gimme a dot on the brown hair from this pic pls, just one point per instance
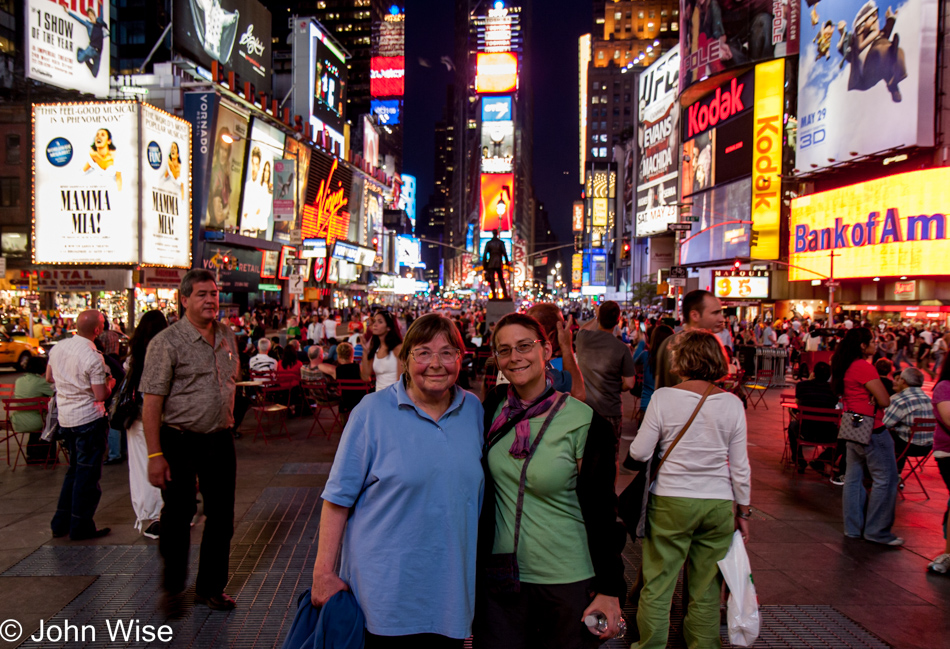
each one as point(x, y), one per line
point(698, 355)
point(548, 315)
point(609, 314)
point(525, 321)
point(426, 329)
point(344, 350)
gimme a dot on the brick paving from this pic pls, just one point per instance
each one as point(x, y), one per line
point(816, 588)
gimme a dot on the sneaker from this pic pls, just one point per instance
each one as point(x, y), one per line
point(153, 530)
point(895, 542)
point(837, 480)
point(940, 565)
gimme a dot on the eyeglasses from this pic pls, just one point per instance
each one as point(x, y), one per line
point(424, 356)
point(521, 348)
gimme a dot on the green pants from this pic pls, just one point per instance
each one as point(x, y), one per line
point(697, 532)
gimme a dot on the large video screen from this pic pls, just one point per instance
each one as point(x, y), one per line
point(723, 231)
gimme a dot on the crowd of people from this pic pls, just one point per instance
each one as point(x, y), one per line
point(498, 514)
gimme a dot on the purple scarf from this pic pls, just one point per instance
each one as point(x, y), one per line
point(515, 406)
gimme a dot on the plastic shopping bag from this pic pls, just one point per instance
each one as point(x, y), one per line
point(743, 605)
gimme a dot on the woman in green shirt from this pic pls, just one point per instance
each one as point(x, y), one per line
point(569, 539)
point(29, 386)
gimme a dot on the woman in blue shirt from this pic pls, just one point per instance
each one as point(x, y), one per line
point(646, 356)
point(402, 502)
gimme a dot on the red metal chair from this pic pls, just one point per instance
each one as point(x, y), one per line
point(269, 413)
point(915, 463)
point(789, 406)
point(32, 404)
point(351, 390)
point(321, 396)
point(823, 416)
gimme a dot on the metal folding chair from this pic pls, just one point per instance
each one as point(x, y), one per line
point(757, 389)
point(830, 417)
point(270, 414)
point(915, 463)
point(321, 396)
point(351, 388)
point(789, 405)
point(31, 404)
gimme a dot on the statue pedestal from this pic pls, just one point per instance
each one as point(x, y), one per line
point(496, 309)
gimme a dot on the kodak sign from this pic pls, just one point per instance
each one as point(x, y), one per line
point(728, 100)
point(767, 158)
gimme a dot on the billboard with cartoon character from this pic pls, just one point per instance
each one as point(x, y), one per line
point(866, 79)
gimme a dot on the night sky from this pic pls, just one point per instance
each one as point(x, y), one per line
point(553, 40)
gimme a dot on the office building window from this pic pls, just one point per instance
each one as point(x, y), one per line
point(13, 149)
point(9, 192)
point(600, 55)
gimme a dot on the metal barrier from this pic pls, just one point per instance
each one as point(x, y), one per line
point(772, 358)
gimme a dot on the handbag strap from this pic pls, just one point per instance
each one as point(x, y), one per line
point(524, 467)
point(689, 422)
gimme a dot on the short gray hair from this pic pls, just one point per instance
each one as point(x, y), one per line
point(913, 377)
point(192, 277)
point(263, 346)
point(315, 352)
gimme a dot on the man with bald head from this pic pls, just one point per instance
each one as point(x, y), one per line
point(83, 384)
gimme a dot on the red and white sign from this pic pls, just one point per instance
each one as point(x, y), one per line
point(387, 76)
point(496, 72)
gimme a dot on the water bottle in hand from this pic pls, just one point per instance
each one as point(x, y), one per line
point(597, 623)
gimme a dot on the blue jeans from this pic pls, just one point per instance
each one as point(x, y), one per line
point(115, 444)
point(80, 494)
point(878, 457)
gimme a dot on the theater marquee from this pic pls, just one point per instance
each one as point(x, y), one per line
point(888, 227)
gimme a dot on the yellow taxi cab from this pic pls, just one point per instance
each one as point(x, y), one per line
point(18, 351)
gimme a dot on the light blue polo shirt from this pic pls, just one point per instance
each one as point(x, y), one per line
point(416, 487)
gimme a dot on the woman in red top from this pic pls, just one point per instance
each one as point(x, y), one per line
point(862, 392)
point(288, 369)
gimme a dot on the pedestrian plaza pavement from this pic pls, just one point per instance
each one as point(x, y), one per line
point(816, 588)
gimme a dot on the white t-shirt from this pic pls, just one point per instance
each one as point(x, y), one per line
point(262, 363)
point(783, 340)
point(711, 460)
point(927, 337)
point(329, 325)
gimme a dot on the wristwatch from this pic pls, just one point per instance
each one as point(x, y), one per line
point(745, 516)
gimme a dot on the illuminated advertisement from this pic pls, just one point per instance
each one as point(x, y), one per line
point(234, 33)
point(505, 238)
point(717, 35)
point(733, 97)
point(723, 231)
point(68, 47)
point(599, 212)
point(578, 216)
point(285, 181)
point(370, 142)
point(767, 158)
point(577, 267)
point(888, 227)
point(743, 284)
point(326, 213)
point(86, 183)
point(496, 201)
point(496, 109)
point(391, 34)
point(498, 145)
point(353, 253)
point(386, 111)
point(266, 144)
point(866, 79)
point(236, 269)
point(407, 197)
point(409, 251)
point(300, 155)
point(387, 76)
point(496, 72)
point(313, 249)
point(598, 269)
point(499, 30)
point(227, 169)
point(112, 185)
point(658, 145)
point(285, 267)
point(166, 188)
point(320, 79)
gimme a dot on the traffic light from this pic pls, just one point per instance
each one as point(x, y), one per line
point(375, 242)
point(625, 250)
point(736, 265)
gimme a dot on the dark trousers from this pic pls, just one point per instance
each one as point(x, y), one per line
point(80, 494)
point(209, 459)
point(490, 276)
point(541, 616)
point(415, 641)
point(916, 450)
